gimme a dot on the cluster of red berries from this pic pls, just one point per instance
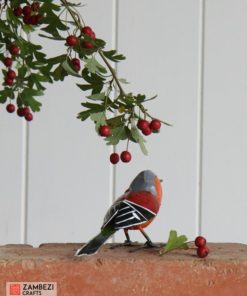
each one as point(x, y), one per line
point(148, 128)
point(8, 62)
point(202, 249)
point(73, 40)
point(29, 13)
point(125, 156)
point(10, 78)
point(21, 111)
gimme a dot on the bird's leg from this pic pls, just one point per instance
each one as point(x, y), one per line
point(148, 243)
point(127, 242)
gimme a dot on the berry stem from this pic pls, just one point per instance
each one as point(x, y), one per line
point(113, 72)
point(72, 13)
point(147, 114)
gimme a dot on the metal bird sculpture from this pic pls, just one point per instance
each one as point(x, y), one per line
point(134, 210)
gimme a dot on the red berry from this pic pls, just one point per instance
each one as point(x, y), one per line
point(76, 64)
point(71, 40)
point(27, 19)
point(11, 74)
point(86, 30)
point(155, 124)
point(18, 11)
point(92, 35)
point(35, 6)
point(200, 241)
point(14, 49)
point(114, 158)
point(25, 111)
point(142, 124)
point(9, 81)
point(89, 32)
point(38, 18)
point(202, 252)
point(147, 131)
point(26, 10)
point(33, 20)
point(125, 156)
point(105, 131)
point(87, 45)
point(20, 111)
point(8, 62)
point(29, 117)
point(10, 108)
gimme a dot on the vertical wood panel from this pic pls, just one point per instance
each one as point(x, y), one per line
point(160, 40)
point(69, 166)
point(70, 180)
point(10, 176)
point(225, 121)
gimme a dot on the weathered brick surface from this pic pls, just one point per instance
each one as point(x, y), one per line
point(122, 272)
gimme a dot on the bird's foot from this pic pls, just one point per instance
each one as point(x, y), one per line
point(127, 243)
point(149, 244)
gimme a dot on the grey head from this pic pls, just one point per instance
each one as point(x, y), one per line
point(144, 181)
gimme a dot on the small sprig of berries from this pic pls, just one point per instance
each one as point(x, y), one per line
point(146, 128)
point(180, 242)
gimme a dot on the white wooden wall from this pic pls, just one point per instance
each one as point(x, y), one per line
point(56, 182)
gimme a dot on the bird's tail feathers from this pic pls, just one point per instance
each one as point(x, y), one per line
point(94, 244)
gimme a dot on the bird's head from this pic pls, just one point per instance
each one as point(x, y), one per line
point(146, 181)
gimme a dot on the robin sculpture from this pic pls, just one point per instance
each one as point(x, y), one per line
point(134, 210)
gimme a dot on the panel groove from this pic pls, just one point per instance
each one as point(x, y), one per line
point(24, 184)
point(114, 45)
point(201, 70)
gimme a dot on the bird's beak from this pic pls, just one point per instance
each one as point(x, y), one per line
point(161, 180)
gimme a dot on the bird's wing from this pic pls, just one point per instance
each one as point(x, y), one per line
point(126, 214)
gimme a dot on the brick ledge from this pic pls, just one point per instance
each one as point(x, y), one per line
point(121, 272)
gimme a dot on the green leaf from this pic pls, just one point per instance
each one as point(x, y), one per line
point(4, 28)
point(53, 38)
point(29, 100)
point(140, 98)
point(115, 121)
point(123, 80)
point(84, 87)
point(84, 115)
point(113, 56)
point(5, 94)
point(99, 119)
point(28, 28)
point(118, 133)
point(57, 60)
point(138, 138)
point(94, 107)
point(99, 97)
point(94, 66)
point(59, 73)
point(175, 242)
